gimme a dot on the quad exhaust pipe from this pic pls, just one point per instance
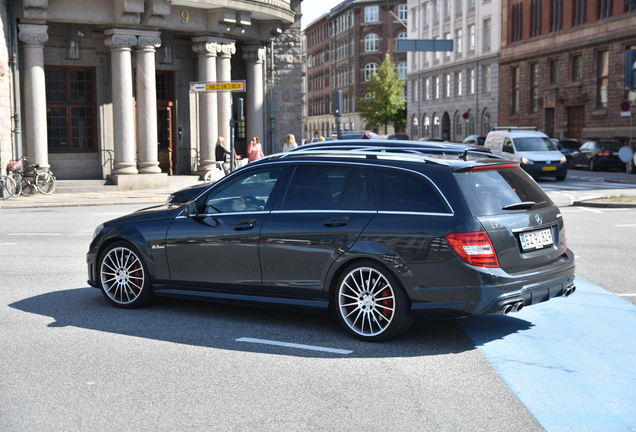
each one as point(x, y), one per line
point(569, 291)
point(512, 307)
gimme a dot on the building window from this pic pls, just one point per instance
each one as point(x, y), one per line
point(577, 67)
point(436, 88)
point(556, 15)
point(471, 4)
point(402, 35)
point(427, 126)
point(534, 88)
point(515, 72)
point(485, 77)
point(459, 5)
point(459, 42)
point(485, 35)
point(517, 22)
point(415, 88)
point(554, 71)
point(602, 78)
point(447, 85)
point(471, 38)
point(471, 81)
point(70, 109)
point(535, 18)
point(436, 122)
point(371, 14)
point(446, 9)
point(369, 70)
point(605, 8)
point(579, 11)
point(447, 36)
point(459, 84)
point(402, 12)
point(427, 89)
point(425, 14)
point(371, 42)
point(402, 70)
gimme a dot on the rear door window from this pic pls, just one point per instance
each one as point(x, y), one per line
point(316, 187)
point(358, 194)
point(403, 191)
point(488, 191)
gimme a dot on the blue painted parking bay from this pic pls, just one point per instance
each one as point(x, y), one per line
point(570, 361)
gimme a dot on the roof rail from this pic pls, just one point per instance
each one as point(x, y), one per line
point(512, 128)
point(406, 148)
point(375, 153)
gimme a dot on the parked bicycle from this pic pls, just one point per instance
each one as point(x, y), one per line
point(28, 175)
point(7, 187)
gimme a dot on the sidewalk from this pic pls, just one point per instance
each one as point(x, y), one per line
point(106, 197)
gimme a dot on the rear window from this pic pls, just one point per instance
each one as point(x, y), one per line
point(612, 145)
point(534, 144)
point(488, 191)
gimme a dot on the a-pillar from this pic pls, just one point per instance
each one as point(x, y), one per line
point(120, 43)
point(224, 74)
point(254, 56)
point(147, 43)
point(34, 36)
point(206, 49)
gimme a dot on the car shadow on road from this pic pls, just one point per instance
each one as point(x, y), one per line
point(219, 326)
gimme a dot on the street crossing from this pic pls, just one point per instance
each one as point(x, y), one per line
point(582, 183)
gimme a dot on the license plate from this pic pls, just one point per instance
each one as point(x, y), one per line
point(549, 168)
point(536, 239)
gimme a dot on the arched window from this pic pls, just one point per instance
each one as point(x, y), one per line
point(402, 35)
point(427, 126)
point(436, 123)
point(459, 126)
point(371, 42)
point(414, 126)
point(402, 70)
point(470, 126)
point(369, 69)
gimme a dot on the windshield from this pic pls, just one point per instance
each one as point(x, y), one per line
point(534, 144)
point(489, 191)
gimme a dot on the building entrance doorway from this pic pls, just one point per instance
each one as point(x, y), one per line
point(549, 122)
point(576, 122)
point(446, 127)
point(166, 121)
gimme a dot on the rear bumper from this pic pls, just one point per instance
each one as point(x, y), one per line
point(499, 290)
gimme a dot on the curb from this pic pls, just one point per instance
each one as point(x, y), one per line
point(601, 204)
point(77, 204)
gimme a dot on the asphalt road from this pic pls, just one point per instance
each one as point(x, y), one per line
point(69, 361)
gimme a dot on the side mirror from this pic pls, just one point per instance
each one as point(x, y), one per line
point(190, 209)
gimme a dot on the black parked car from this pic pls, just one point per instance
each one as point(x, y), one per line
point(596, 155)
point(475, 140)
point(377, 237)
point(567, 147)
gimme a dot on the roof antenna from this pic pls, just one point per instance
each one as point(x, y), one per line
point(464, 155)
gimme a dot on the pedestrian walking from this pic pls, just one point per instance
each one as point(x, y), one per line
point(255, 149)
point(222, 154)
point(290, 143)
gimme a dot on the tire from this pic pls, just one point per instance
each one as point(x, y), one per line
point(591, 165)
point(123, 276)
point(17, 177)
point(370, 302)
point(45, 183)
point(7, 187)
point(560, 178)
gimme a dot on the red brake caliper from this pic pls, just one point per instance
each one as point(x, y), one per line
point(386, 302)
point(136, 271)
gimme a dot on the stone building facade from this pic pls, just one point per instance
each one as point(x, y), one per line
point(359, 33)
point(454, 94)
point(105, 85)
point(6, 127)
point(562, 67)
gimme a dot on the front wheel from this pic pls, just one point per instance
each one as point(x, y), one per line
point(371, 304)
point(45, 183)
point(560, 178)
point(7, 187)
point(123, 277)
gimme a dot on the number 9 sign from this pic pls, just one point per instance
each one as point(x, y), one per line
point(185, 16)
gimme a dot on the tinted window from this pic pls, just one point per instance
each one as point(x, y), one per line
point(358, 194)
point(488, 191)
point(507, 146)
point(248, 192)
point(534, 144)
point(402, 191)
point(612, 145)
point(316, 187)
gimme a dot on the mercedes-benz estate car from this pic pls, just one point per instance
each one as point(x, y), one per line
point(378, 238)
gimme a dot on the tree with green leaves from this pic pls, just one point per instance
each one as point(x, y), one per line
point(386, 104)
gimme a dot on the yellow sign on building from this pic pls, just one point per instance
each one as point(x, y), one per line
point(204, 87)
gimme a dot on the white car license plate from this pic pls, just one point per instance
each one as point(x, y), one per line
point(536, 239)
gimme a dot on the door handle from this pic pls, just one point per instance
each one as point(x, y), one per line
point(245, 225)
point(336, 222)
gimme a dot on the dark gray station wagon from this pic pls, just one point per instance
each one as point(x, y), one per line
point(378, 237)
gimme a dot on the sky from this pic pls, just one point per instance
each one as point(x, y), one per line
point(312, 9)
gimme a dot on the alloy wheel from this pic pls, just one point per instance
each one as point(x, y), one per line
point(122, 275)
point(366, 301)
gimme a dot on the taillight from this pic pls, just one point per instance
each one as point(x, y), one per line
point(493, 167)
point(565, 239)
point(474, 247)
point(605, 153)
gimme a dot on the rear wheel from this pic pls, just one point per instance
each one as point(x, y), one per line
point(591, 165)
point(123, 277)
point(45, 183)
point(371, 304)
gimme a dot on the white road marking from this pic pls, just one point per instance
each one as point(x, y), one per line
point(627, 295)
point(294, 345)
point(8, 244)
point(625, 225)
point(35, 234)
point(591, 210)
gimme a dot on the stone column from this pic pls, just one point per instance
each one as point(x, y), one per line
point(224, 73)
point(34, 36)
point(147, 102)
point(254, 56)
point(206, 49)
point(120, 42)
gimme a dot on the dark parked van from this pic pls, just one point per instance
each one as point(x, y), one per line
point(376, 236)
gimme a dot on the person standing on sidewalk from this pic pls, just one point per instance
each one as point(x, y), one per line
point(255, 149)
point(222, 154)
point(290, 143)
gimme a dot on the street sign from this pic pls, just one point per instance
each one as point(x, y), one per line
point(408, 45)
point(211, 86)
point(626, 109)
point(626, 154)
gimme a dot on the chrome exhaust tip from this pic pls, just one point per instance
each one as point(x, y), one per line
point(507, 309)
point(518, 306)
point(569, 291)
